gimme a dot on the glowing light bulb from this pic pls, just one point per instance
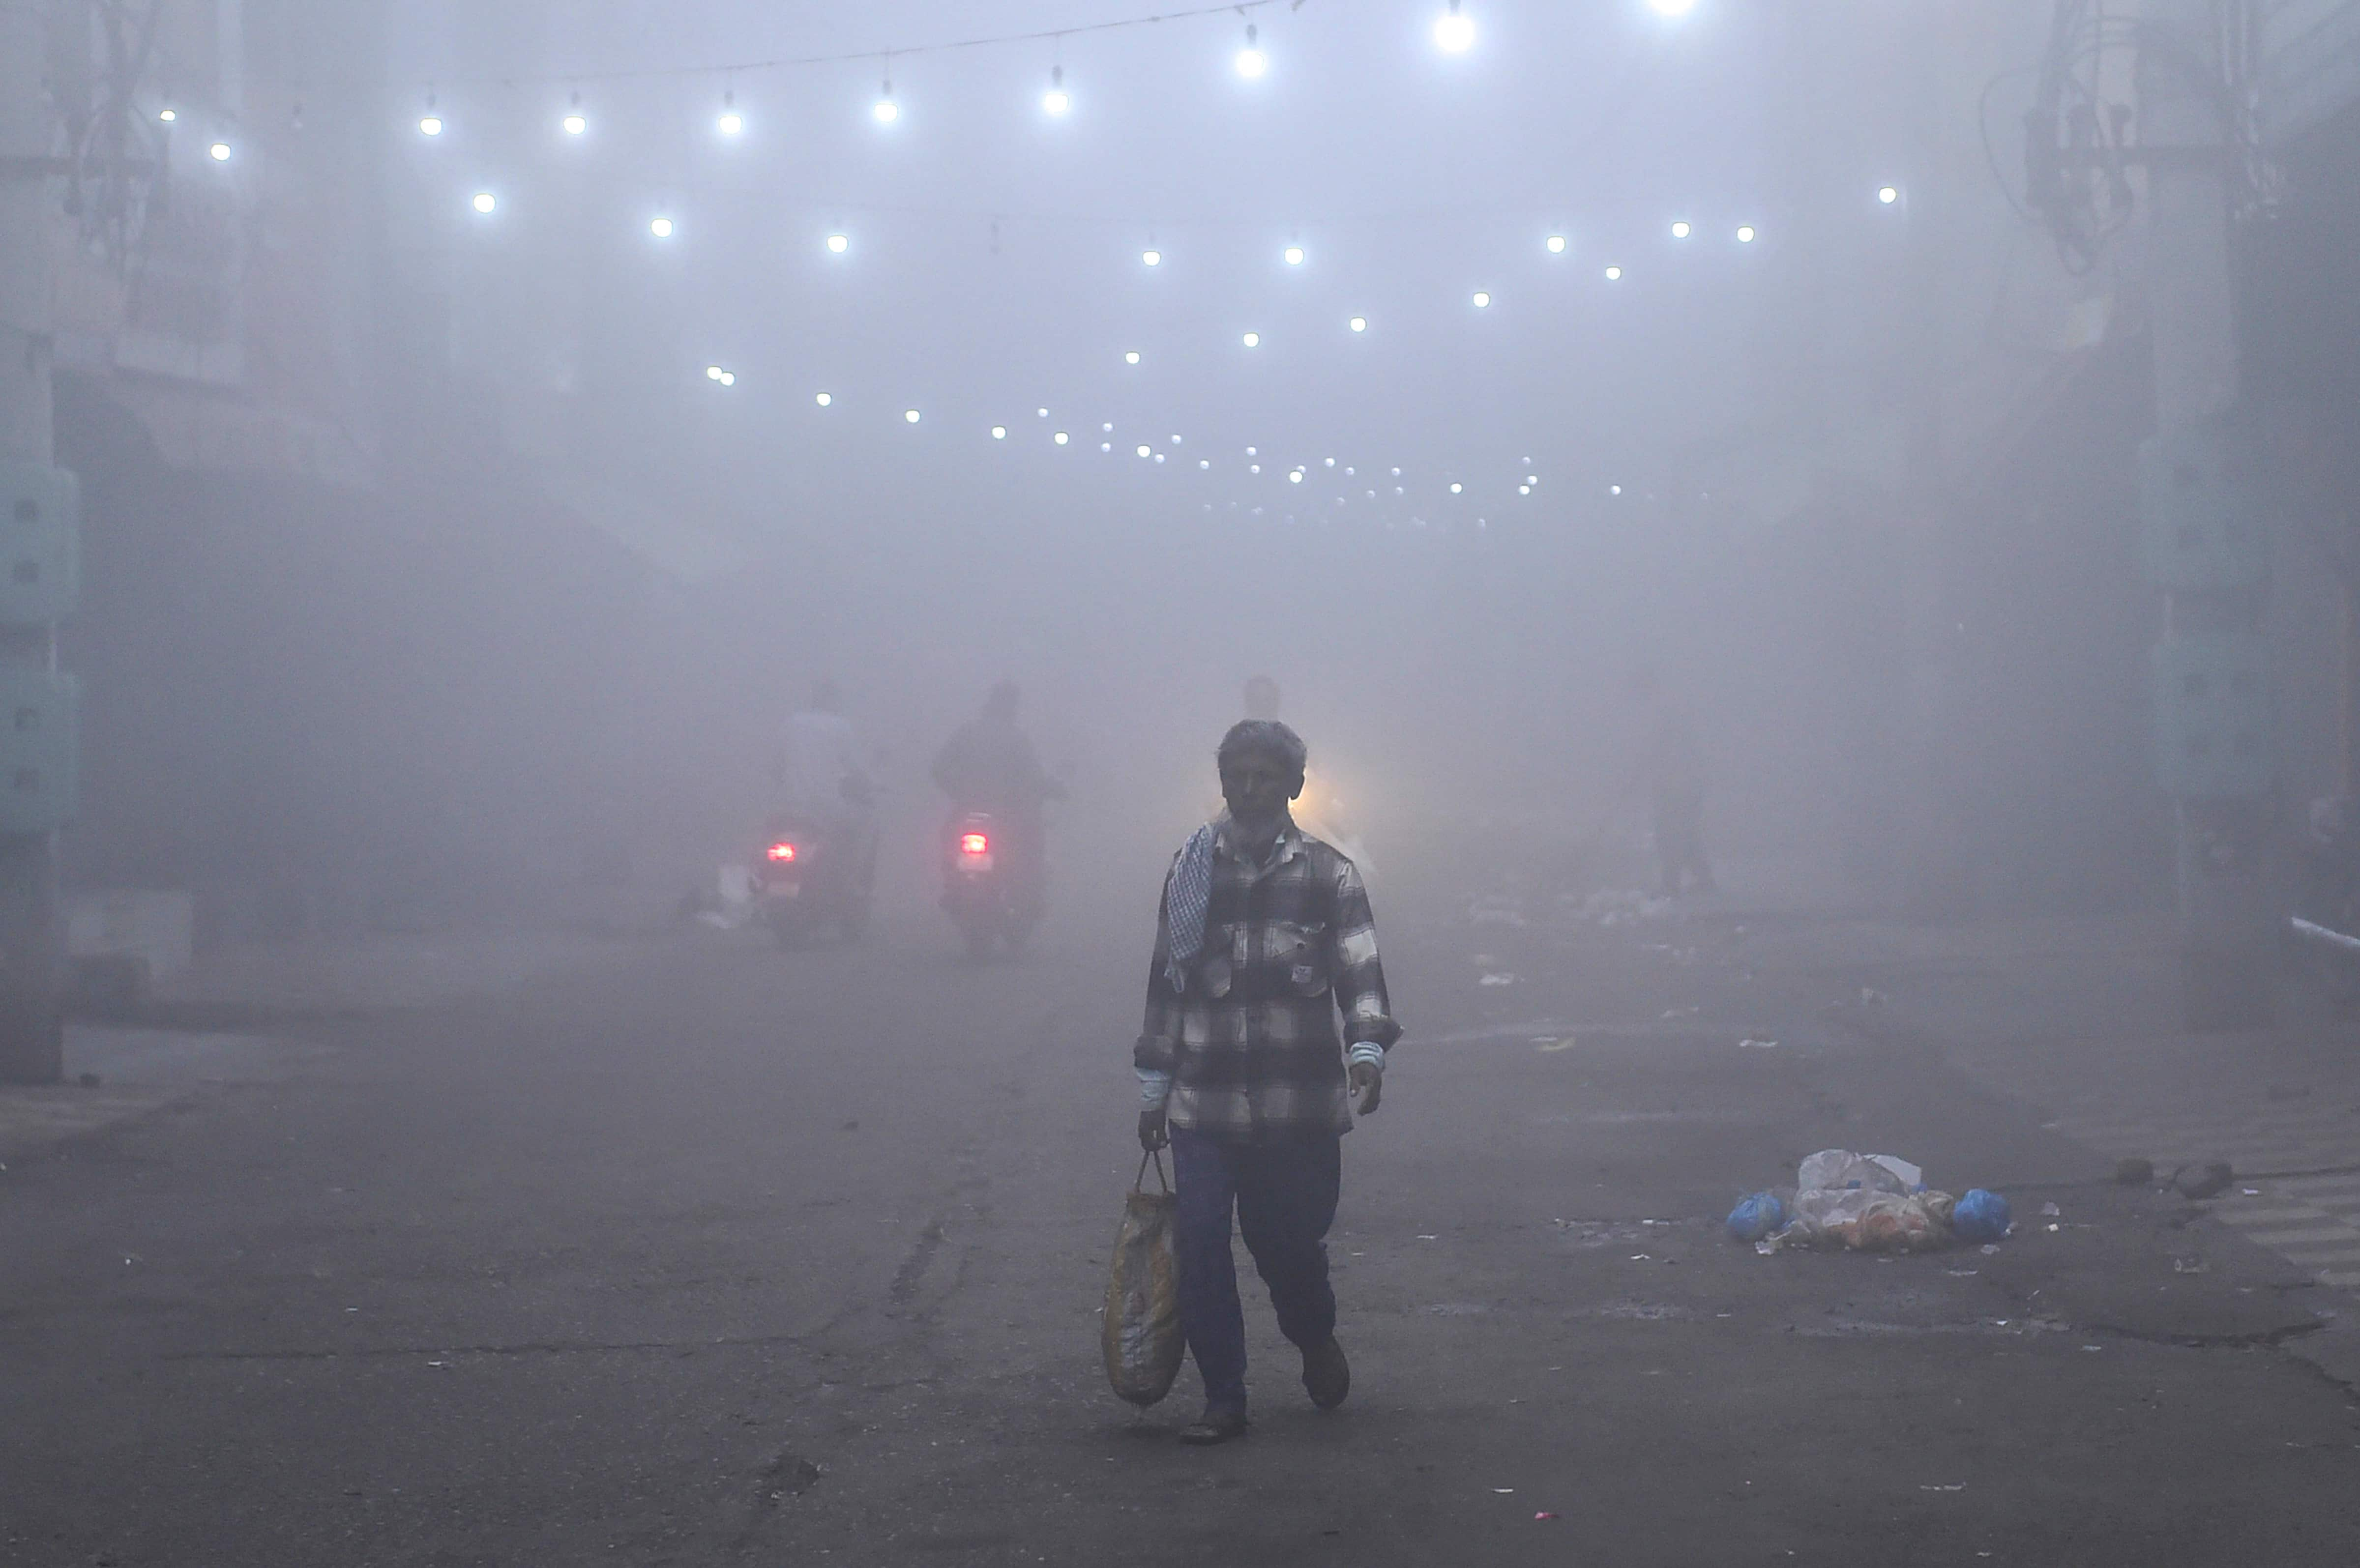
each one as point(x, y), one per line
point(1062, 438)
point(1613, 275)
point(999, 432)
point(1203, 462)
point(823, 399)
point(910, 416)
point(1294, 477)
point(1360, 323)
point(431, 125)
point(839, 244)
point(1159, 457)
point(220, 151)
point(661, 228)
point(1056, 101)
point(886, 111)
point(168, 115)
point(1151, 258)
point(1555, 245)
point(1615, 489)
point(1888, 194)
point(1131, 357)
point(574, 125)
point(1454, 34)
point(1105, 446)
point(1253, 468)
point(1251, 63)
point(713, 373)
point(1456, 487)
point(1482, 300)
point(1745, 234)
point(731, 122)
point(1680, 231)
point(1253, 340)
point(1043, 413)
point(1146, 451)
point(1523, 489)
point(1294, 256)
point(486, 202)
point(729, 378)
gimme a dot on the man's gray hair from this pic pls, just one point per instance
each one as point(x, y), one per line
point(1266, 735)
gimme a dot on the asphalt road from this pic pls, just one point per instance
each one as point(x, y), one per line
point(717, 1255)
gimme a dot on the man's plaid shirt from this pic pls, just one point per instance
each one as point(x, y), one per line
point(1250, 1039)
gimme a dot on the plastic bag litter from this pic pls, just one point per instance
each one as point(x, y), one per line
point(1140, 1334)
point(1838, 1169)
point(1981, 1216)
point(1869, 1220)
point(1757, 1216)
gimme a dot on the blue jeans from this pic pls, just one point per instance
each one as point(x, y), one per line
point(1284, 1198)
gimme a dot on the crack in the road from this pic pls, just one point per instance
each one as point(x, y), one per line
point(914, 1268)
point(2258, 1339)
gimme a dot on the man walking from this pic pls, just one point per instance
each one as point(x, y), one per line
point(1671, 768)
point(1264, 936)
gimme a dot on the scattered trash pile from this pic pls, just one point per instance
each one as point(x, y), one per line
point(1866, 1203)
point(1497, 910)
point(1622, 906)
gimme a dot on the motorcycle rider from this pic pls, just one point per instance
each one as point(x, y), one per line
point(989, 765)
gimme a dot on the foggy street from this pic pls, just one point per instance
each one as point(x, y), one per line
point(712, 1254)
point(1663, 694)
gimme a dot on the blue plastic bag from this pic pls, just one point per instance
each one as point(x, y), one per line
point(1979, 1216)
point(1757, 1216)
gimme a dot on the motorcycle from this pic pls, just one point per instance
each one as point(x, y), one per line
point(987, 889)
point(811, 876)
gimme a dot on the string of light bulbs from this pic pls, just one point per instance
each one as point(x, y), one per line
point(1291, 483)
point(1453, 31)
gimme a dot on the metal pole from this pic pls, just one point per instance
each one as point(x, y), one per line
point(2223, 820)
point(32, 956)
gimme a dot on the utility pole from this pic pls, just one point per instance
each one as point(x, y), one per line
point(39, 504)
point(2206, 546)
point(1934, 880)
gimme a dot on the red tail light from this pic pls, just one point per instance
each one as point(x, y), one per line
point(781, 854)
point(974, 844)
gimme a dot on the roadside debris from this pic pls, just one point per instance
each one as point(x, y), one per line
point(2205, 1181)
point(1981, 1216)
point(1866, 1203)
point(1497, 910)
point(1622, 906)
point(1757, 1216)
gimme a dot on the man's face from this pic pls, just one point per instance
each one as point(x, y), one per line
point(1258, 784)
